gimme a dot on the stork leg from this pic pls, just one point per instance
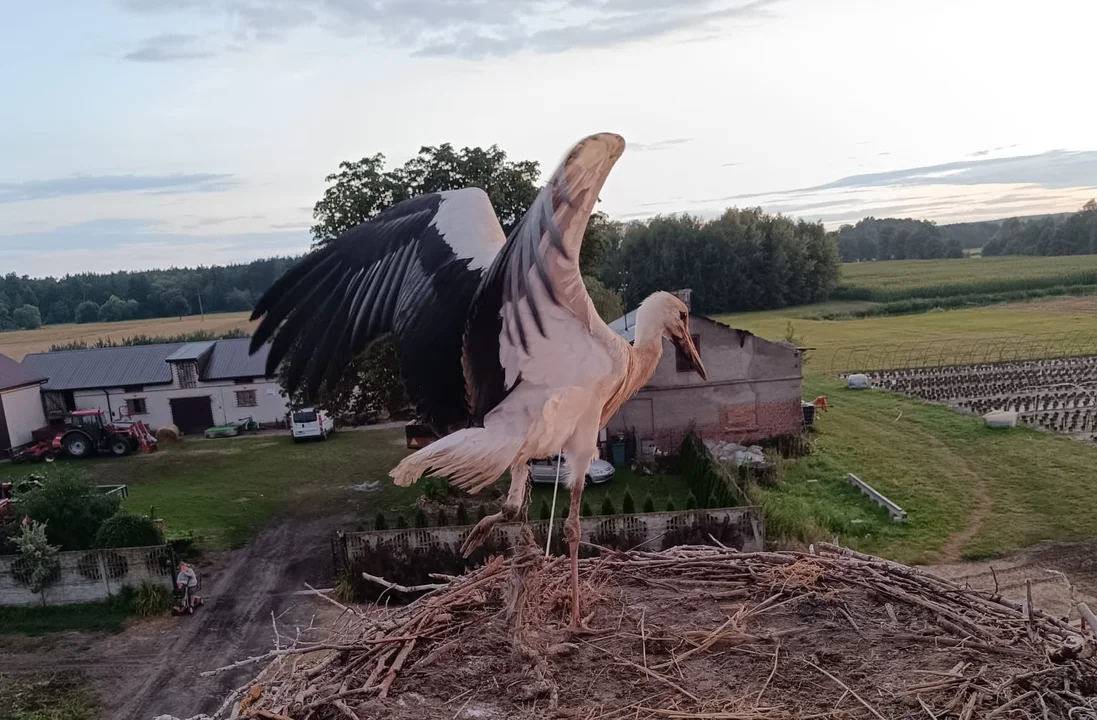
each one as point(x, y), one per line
point(581, 450)
point(516, 498)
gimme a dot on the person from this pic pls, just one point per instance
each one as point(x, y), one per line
point(187, 580)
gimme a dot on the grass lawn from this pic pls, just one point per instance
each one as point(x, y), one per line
point(833, 340)
point(223, 490)
point(60, 697)
point(103, 616)
point(969, 491)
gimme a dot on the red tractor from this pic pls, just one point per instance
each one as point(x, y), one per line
point(89, 432)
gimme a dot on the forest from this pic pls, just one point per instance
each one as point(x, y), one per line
point(896, 239)
point(1073, 234)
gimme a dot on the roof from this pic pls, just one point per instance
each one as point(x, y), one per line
point(625, 326)
point(230, 360)
point(104, 367)
point(191, 351)
point(144, 364)
point(14, 374)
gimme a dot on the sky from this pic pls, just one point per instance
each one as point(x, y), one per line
point(151, 133)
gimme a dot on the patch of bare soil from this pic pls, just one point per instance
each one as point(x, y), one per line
point(689, 632)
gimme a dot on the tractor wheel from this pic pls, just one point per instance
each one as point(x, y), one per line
point(118, 446)
point(77, 445)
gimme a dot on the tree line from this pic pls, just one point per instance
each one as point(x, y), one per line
point(896, 239)
point(28, 303)
point(1073, 234)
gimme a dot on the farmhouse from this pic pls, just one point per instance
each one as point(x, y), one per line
point(191, 385)
point(753, 391)
point(20, 404)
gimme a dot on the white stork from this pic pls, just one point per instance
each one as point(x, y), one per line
point(499, 344)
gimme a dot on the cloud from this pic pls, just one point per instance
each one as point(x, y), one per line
point(658, 145)
point(168, 47)
point(95, 184)
point(470, 29)
point(731, 164)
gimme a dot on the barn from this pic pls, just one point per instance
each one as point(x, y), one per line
point(191, 385)
point(753, 391)
point(20, 404)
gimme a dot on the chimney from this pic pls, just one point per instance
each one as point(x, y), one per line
point(685, 296)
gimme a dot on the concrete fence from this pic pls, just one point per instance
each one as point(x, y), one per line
point(87, 575)
point(645, 531)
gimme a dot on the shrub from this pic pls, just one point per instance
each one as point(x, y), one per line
point(435, 488)
point(691, 501)
point(380, 523)
point(585, 511)
point(481, 513)
point(628, 505)
point(401, 523)
point(151, 599)
point(671, 507)
point(71, 507)
point(545, 512)
point(421, 518)
point(38, 562)
point(442, 519)
point(713, 501)
point(462, 514)
point(607, 507)
point(649, 504)
point(125, 530)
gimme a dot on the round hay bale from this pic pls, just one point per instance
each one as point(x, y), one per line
point(169, 434)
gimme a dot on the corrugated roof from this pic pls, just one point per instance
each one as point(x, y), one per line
point(104, 367)
point(191, 351)
point(230, 360)
point(13, 374)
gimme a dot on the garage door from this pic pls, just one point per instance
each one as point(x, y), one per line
point(192, 415)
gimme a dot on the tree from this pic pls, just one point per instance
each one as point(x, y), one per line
point(179, 305)
point(606, 302)
point(462, 515)
point(133, 310)
point(628, 505)
point(421, 520)
point(26, 317)
point(237, 300)
point(37, 558)
point(71, 506)
point(362, 189)
point(125, 530)
point(585, 510)
point(545, 511)
point(649, 503)
point(59, 312)
point(691, 501)
point(87, 311)
point(671, 506)
point(443, 519)
point(113, 310)
point(380, 523)
point(607, 507)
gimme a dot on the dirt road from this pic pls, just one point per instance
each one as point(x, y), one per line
point(154, 667)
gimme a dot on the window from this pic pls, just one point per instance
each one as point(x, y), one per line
point(188, 374)
point(246, 398)
point(682, 363)
point(304, 416)
point(136, 406)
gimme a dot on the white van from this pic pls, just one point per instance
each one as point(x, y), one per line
point(311, 423)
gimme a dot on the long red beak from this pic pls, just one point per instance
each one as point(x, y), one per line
point(685, 343)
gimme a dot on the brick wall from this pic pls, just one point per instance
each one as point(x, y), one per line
point(745, 423)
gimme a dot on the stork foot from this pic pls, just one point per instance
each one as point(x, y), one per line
point(480, 533)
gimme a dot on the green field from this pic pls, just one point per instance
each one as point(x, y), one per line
point(894, 280)
point(1069, 324)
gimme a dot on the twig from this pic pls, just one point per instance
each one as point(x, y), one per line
point(1088, 616)
point(772, 672)
point(848, 689)
point(650, 673)
point(430, 587)
point(1015, 701)
point(334, 602)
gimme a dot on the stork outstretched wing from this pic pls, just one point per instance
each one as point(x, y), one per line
point(412, 271)
point(470, 310)
point(532, 318)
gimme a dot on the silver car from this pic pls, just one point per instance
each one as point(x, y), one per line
point(544, 471)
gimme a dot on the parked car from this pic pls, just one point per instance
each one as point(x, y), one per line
point(544, 471)
point(311, 423)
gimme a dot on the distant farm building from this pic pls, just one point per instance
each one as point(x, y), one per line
point(191, 385)
point(20, 404)
point(753, 391)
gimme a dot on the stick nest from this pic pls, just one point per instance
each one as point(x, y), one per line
point(691, 632)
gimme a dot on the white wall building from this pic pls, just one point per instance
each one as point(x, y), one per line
point(20, 404)
point(191, 385)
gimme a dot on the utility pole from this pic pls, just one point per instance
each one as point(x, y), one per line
point(200, 311)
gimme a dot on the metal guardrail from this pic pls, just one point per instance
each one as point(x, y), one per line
point(897, 513)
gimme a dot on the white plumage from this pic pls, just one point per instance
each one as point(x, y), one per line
point(501, 348)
